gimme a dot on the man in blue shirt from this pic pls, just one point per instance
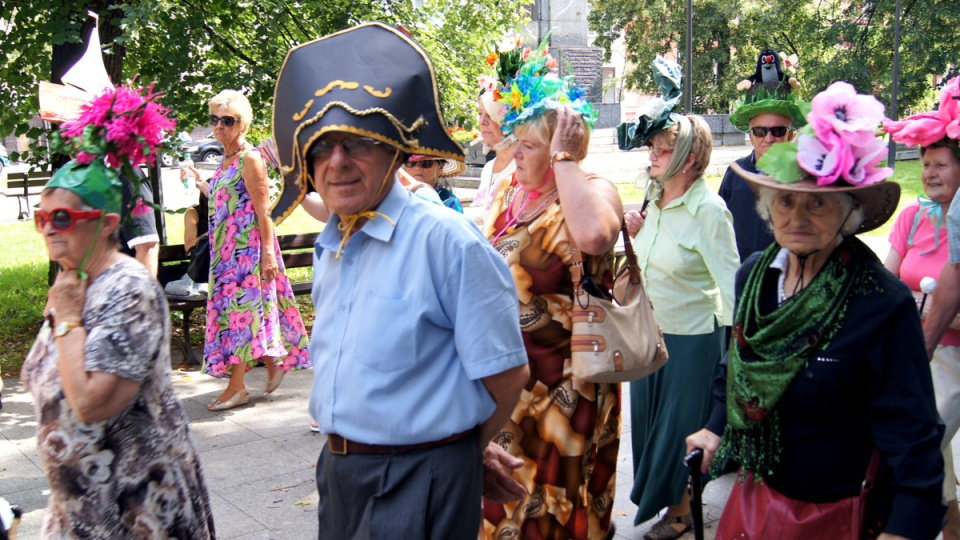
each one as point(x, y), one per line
point(417, 351)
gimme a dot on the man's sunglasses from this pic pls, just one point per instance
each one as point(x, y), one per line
point(355, 147)
point(63, 219)
point(777, 131)
point(227, 121)
point(423, 164)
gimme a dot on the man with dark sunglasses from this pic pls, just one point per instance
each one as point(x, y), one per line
point(767, 119)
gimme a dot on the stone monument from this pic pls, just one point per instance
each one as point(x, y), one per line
point(566, 22)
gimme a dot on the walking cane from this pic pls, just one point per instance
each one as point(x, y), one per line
point(693, 462)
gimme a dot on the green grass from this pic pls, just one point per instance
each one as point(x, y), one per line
point(23, 284)
point(23, 268)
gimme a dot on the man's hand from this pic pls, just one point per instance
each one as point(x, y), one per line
point(498, 482)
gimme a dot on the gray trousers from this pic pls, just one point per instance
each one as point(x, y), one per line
point(423, 494)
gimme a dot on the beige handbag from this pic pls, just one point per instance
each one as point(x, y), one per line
point(615, 341)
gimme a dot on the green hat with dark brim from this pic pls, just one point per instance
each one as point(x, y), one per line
point(763, 102)
point(659, 113)
point(95, 183)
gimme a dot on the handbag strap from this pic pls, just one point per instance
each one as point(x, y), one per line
point(630, 256)
point(872, 469)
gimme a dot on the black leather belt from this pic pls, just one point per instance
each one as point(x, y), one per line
point(340, 447)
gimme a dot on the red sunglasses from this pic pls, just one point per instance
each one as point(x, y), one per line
point(63, 219)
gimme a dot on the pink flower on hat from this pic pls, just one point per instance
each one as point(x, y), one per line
point(927, 128)
point(842, 110)
point(826, 158)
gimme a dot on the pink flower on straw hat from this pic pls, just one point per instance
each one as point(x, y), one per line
point(825, 158)
point(842, 110)
point(838, 142)
point(927, 128)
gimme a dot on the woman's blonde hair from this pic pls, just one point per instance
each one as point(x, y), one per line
point(542, 128)
point(702, 146)
point(236, 102)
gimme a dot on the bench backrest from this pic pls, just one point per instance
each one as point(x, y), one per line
point(288, 243)
point(33, 179)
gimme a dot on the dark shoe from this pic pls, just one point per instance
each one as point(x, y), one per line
point(664, 529)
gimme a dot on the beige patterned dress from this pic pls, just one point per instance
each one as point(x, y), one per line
point(138, 474)
point(566, 431)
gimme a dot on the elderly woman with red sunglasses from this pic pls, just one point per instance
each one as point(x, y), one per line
point(112, 436)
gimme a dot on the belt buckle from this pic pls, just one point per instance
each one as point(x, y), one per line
point(342, 451)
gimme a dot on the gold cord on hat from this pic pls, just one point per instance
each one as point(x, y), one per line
point(348, 223)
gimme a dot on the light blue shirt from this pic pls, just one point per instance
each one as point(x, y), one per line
point(953, 229)
point(409, 321)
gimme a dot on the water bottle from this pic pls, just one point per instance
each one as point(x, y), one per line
point(187, 162)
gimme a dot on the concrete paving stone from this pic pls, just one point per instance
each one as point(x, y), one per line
point(18, 473)
point(284, 503)
point(248, 462)
point(231, 522)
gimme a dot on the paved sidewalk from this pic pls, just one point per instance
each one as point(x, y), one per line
point(259, 460)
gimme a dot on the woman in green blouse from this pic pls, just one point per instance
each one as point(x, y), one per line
point(685, 242)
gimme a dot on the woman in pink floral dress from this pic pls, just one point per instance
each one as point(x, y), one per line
point(251, 311)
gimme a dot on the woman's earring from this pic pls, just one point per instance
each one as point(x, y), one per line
point(684, 170)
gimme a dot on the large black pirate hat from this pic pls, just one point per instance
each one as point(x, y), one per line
point(369, 80)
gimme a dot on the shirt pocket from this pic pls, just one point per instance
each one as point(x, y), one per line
point(827, 383)
point(389, 341)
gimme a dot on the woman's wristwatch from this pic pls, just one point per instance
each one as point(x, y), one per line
point(562, 155)
point(63, 328)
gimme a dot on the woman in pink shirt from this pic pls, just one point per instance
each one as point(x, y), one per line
point(919, 249)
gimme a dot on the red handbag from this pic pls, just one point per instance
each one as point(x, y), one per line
point(755, 511)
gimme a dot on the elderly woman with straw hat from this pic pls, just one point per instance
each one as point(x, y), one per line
point(826, 401)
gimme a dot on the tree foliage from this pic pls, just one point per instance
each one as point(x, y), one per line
point(834, 40)
point(195, 48)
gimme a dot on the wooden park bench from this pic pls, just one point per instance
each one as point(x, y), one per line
point(291, 248)
point(22, 185)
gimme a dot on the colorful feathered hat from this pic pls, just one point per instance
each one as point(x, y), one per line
point(656, 113)
point(538, 88)
point(505, 59)
point(837, 151)
point(370, 80)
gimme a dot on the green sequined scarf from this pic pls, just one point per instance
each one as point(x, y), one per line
point(767, 351)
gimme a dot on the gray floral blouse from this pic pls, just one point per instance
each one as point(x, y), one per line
point(138, 474)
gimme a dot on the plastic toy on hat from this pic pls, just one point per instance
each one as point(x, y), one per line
point(769, 90)
point(371, 80)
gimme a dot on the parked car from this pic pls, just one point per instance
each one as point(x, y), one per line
point(206, 149)
point(173, 160)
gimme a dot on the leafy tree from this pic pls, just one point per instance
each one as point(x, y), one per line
point(834, 39)
point(195, 48)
